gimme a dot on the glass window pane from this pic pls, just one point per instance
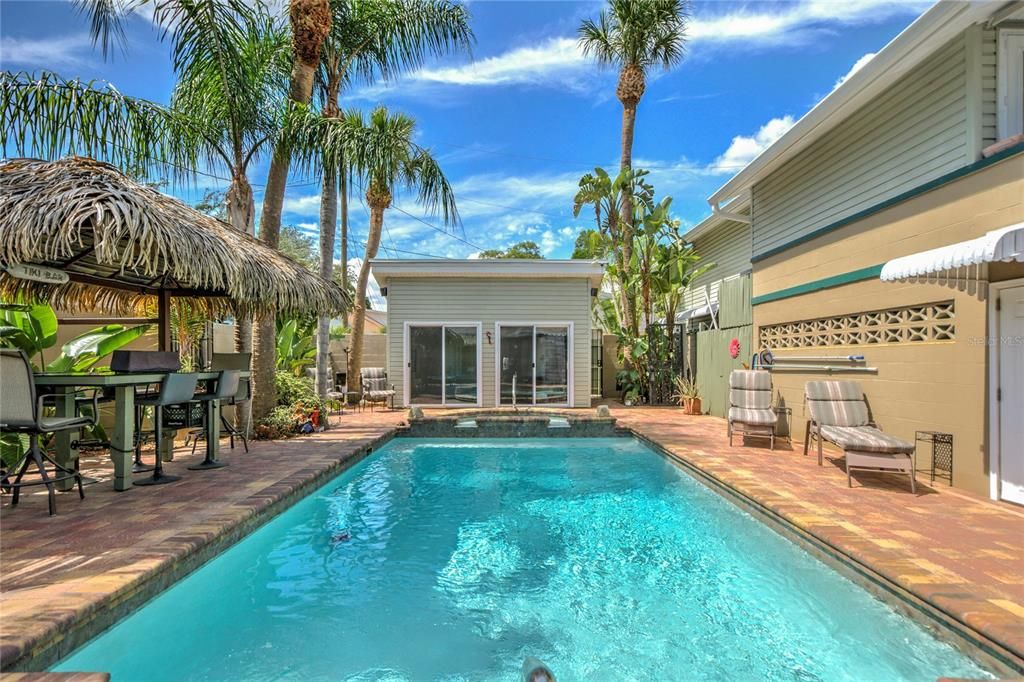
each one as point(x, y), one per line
point(425, 376)
point(460, 365)
point(517, 362)
point(552, 365)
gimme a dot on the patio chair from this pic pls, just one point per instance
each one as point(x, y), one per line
point(374, 382)
point(221, 362)
point(176, 389)
point(228, 382)
point(840, 415)
point(21, 411)
point(750, 405)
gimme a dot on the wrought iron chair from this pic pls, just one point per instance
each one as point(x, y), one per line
point(175, 389)
point(227, 388)
point(21, 411)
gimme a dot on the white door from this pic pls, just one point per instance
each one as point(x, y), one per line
point(1011, 388)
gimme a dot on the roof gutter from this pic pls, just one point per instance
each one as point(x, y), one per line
point(934, 28)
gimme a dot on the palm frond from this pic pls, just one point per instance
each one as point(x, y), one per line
point(48, 117)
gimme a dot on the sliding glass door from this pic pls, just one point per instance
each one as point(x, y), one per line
point(442, 364)
point(534, 364)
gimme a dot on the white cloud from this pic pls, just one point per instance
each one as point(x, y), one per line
point(558, 62)
point(857, 66)
point(305, 205)
point(51, 52)
point(744, 149)
point(795, 22)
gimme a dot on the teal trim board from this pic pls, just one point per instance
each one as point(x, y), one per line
point(889, 203)
point(872, 272)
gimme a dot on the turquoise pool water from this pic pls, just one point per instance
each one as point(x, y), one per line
point(455, 560)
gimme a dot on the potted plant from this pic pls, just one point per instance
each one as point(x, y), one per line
point(688, 395)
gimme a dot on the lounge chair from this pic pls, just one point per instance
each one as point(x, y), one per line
point(839, 414)
point(374, 383)
point(750, 405)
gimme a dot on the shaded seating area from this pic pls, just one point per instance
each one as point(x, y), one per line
point(82, 237)
point(840, 415)
point(750, 405)
point(374, 382)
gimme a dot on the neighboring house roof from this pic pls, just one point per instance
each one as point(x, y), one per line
point(923, 37)
point(490, 268)
point(377, 317)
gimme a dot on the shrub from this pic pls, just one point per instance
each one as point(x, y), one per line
point(296, 401)
point(278, 424)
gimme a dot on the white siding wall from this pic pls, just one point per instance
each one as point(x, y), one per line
point(989, 134)
point(913, 132)
point(488, 301)
point(728, 247)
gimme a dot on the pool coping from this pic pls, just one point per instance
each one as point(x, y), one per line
point(62, 639)
point(946, 626)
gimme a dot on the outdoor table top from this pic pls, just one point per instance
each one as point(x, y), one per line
point(111, 378)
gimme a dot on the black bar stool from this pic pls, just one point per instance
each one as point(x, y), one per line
point(227, 387)
point(175, 390)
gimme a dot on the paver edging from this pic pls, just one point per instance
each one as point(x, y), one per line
point(74, 628)
point(972, 641)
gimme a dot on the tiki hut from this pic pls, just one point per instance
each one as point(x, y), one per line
point(126, 248)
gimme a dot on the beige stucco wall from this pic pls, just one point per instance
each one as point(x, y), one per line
point(488, 301)
point(939, 385)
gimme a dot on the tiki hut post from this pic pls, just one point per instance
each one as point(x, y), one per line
point(164, 320)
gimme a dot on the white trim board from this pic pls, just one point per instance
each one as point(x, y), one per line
point(992, 360)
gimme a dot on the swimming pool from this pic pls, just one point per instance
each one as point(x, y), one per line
point(457, 559)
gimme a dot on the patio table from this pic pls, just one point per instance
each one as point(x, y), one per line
point(122, 441)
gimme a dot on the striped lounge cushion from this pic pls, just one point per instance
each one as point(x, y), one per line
point(752, 416)
point(865, 439)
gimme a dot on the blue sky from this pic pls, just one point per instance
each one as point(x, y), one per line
point(515, 126)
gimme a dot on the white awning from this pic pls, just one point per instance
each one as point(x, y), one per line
point(699, 311)
point(1003, 245)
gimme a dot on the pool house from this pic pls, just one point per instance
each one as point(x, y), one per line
point(487, 333)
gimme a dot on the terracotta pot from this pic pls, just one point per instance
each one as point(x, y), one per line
point(691, 406)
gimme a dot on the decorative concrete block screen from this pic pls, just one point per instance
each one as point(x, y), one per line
point(910, 324)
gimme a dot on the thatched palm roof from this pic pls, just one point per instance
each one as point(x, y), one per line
point(121, 242)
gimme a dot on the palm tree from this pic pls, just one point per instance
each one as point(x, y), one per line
point(231, 59)
point(607, 195)
point(383, 154)
point(310, 23)
point(370, 39)
point(635, 36)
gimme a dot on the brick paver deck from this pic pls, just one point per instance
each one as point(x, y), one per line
point(954, 551)
point(64, 578)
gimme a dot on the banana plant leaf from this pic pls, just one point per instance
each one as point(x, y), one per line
point(84, 351)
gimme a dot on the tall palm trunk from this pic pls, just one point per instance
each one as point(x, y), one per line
point(378, 202)
point(310, 22)
point(343, 191)
point(328, 222)
point(241, 210)
point(629, 91)
point(328, 227)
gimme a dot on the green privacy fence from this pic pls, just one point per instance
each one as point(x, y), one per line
point(714, 360)
point(714, 363)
